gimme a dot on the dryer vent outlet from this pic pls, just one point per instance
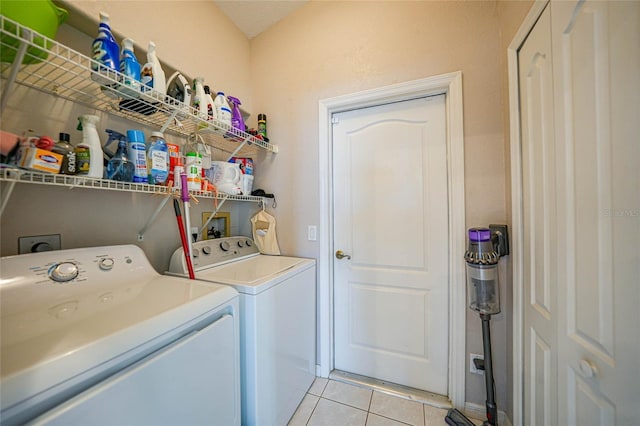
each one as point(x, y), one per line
point(38, 243)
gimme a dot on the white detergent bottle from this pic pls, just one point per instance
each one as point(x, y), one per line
point(199, 98)
point(223, 110)
point(89, 152)
point(211, 109)
point(152, 75)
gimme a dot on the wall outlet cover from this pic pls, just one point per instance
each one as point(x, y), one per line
point(38, 243)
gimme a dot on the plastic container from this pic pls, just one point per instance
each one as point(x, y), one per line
point(137, 154)
point(44, 17)
point(130, 69)
point(157, 159)
point(211, 109)
point(105, 54)
point(68, 152)
point(193, 166)
point(223, 111)
point(237, 122)
point(152, 75)
point(199, 99)
point(119, 167)
point(262, 125)
point(178, 88)
point(89, 152)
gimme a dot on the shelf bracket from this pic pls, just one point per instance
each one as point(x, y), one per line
point(244, 142)
point(217, 209)
point(152, 218)
point(172, 117)
point(5, 196)
point(17, 62)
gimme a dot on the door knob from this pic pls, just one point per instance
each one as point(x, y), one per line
point(587, 368)
point(340, 255)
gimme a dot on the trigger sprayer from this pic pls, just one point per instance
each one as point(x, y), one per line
point(237, 121)
point(113, 137)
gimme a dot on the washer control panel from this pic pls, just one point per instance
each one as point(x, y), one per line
point(209, 253)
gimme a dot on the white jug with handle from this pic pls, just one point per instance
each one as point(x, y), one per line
point(226, 177)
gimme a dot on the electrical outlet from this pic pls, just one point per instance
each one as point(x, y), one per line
point(472, 366)
point(312, 233)
point(38, 243)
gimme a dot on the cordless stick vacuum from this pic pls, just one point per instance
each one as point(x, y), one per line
point(484, 297)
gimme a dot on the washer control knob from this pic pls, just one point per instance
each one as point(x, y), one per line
point(240, 243)
point(195, 252)
point(206, 250)
point(106, 263)
point(225, 246)
point(63, 272)
point(248, 243)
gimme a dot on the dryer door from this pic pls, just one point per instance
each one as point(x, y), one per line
point(195, 380)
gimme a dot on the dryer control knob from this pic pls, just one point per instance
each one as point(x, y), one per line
point(206, 250)
point(63, 272)
point(106, 263)
point(248, 243)
point(240, 243)
point(225, 246)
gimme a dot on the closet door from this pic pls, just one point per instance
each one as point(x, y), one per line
point(540, 283)
point(596, 48)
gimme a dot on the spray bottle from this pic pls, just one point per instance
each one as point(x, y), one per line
point(105, 54)
point(153, 76)
point(89, 151)
point(119, 167)
point(130, 68)
point(237, 122)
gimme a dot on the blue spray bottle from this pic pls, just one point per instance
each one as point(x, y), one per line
point(105, 54)
point(130, 68)
point(119, 167)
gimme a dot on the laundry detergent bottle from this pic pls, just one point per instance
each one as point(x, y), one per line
point(223, 110)
point(105, 54)
point(89, 157)
point(211, 109)
point(199, 98)
point(130, 68)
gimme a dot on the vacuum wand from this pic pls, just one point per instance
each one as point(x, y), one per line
point(492, 408)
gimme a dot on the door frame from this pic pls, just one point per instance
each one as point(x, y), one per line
point(451, 85)
point(517, 225)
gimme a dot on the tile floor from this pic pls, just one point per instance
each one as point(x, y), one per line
point(333, 403)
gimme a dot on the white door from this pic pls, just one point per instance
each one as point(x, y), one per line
point(391, 218)
point(539, 222)
point(580, 118)
point(596, 53)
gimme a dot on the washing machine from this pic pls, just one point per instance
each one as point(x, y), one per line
point(96, 336)
point(277, 322)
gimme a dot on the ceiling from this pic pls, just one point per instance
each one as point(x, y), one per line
point(256, 16)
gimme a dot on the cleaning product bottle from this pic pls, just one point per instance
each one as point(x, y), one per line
point(199, 100)
point(157, 159)
point(89, 151)
point(105, 54)
point(193, 164)
point(211, 109)
point(130, 68)
point(64, 148)
point(262, 125)
point(237, 122)
point(119, 167)
point(153, 76)
point(178, 89)
point(222, 109)
point(137, 154)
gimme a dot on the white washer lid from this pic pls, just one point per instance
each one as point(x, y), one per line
point(255, 274)
point(44, 344)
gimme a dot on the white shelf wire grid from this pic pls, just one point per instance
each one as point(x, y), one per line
point(69, 181)
point(68, 74)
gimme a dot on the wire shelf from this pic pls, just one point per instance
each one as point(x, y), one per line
point(26, 176)
point(55, 69)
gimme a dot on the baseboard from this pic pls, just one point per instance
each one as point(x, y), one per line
point(480, 412)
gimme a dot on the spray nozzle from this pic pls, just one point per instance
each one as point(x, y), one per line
point(113, 136)
point(234, 101)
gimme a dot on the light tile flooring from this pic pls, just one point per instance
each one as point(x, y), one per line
point(332, 403)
